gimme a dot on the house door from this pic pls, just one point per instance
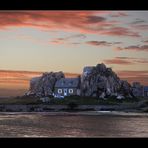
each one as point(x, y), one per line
point(65, 92)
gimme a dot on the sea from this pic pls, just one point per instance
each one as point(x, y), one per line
point(72, 125)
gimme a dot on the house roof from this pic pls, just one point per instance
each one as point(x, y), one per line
point(67, 82)
point(88, 68)
point(145, 88)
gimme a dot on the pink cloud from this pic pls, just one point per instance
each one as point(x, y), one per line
point(118, 61)
point(145, 41)
point(141, 61)
point(102, 43)
point(134, 48)
point(120, 31)
point(119, 14)
point(57, 41)
point(93, 22)
point(99, 43)
point(126, 61)
point(141, 26)
point(67, 39)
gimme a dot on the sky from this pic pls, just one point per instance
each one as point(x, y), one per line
point(44, 41)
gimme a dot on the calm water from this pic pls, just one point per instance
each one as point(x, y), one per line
point(45, 125)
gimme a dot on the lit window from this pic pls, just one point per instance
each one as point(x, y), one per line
point(59, 91)
point(70, 91)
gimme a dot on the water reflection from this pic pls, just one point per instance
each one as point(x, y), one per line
point(38, 125)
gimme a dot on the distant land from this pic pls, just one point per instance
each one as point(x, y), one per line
point(15, 83)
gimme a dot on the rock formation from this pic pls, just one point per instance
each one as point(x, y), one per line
point(44, 85)
point(137, 89)
point(97, 81)
point(103, 82)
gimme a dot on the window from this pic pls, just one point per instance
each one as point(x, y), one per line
point(70, 91)
point(59, 91)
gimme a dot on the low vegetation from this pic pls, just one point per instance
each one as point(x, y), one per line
point(26, 100)
point(92, 100)
point(72, 105)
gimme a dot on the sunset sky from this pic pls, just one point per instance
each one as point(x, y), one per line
point(69, 40)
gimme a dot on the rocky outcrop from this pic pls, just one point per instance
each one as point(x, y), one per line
point(97, 81)
point(103, 82)
point(44, 85)
point(137, 89)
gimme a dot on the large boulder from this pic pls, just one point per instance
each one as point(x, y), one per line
point(44, 85)
point(103, 82)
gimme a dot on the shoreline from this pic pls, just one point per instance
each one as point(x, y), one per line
point(81, 109)
point(80, 113)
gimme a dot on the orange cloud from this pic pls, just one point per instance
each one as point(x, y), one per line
point(21, 79)
point(129, 73)
point(132, 76)
point(7, 74)
point(71, 75)
point(142, 80)
point(126, 60)
point(16, 79)
point(118, 61)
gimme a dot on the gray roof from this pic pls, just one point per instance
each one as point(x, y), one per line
point(145, 88)
point(67, 82)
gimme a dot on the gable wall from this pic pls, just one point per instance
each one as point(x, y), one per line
point(68, 94)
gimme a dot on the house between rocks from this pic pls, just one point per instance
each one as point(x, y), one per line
point(67, 87)
point(70, 86)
